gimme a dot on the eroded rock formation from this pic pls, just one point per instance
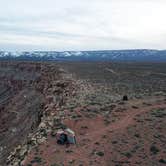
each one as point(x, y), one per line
point(28, 91)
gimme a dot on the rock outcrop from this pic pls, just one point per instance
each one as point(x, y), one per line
point(35, 92)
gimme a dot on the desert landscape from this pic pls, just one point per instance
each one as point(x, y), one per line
point(82, 83)
point(117, 111)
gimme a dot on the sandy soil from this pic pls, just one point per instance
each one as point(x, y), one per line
point(96, 135)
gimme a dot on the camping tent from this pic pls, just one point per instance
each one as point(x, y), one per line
point(66, 136)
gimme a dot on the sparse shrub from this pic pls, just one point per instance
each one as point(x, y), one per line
point(31, 142)
point(61, 126)
point(69, 151)
point(71, 161)
point(127, 154)
point(36, 160)
point(84, 127)
point(100, 153)
point(159, 113)
point(121, 103)
point(80, 164)
point(43, 132)
point(147, 104)
point(162, 161)
point(148, 119)
point(135, 107)
point(137, 135)
point(159, 136)
point(104, 136)
point(154, 149)
point(97, 143)
point(29, 164)
point(54, 164)
point(114, 142)
point(106, 121)
point(74, 116)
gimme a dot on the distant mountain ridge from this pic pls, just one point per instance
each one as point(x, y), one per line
point(105, 55)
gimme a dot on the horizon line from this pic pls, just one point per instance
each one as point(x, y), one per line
point(84, 50)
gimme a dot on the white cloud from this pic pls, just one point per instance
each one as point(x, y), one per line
point(82, 25)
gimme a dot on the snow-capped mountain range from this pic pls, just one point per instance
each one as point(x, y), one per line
point(109, 55)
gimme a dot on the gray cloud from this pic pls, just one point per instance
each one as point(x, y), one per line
point(82, 25)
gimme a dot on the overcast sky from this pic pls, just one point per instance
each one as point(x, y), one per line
point(82, 24)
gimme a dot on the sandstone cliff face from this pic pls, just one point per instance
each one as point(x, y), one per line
point(20, 105)
point(22, 115)
point(28, 91)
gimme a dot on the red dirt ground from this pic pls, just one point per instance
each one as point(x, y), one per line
point(107, 133)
